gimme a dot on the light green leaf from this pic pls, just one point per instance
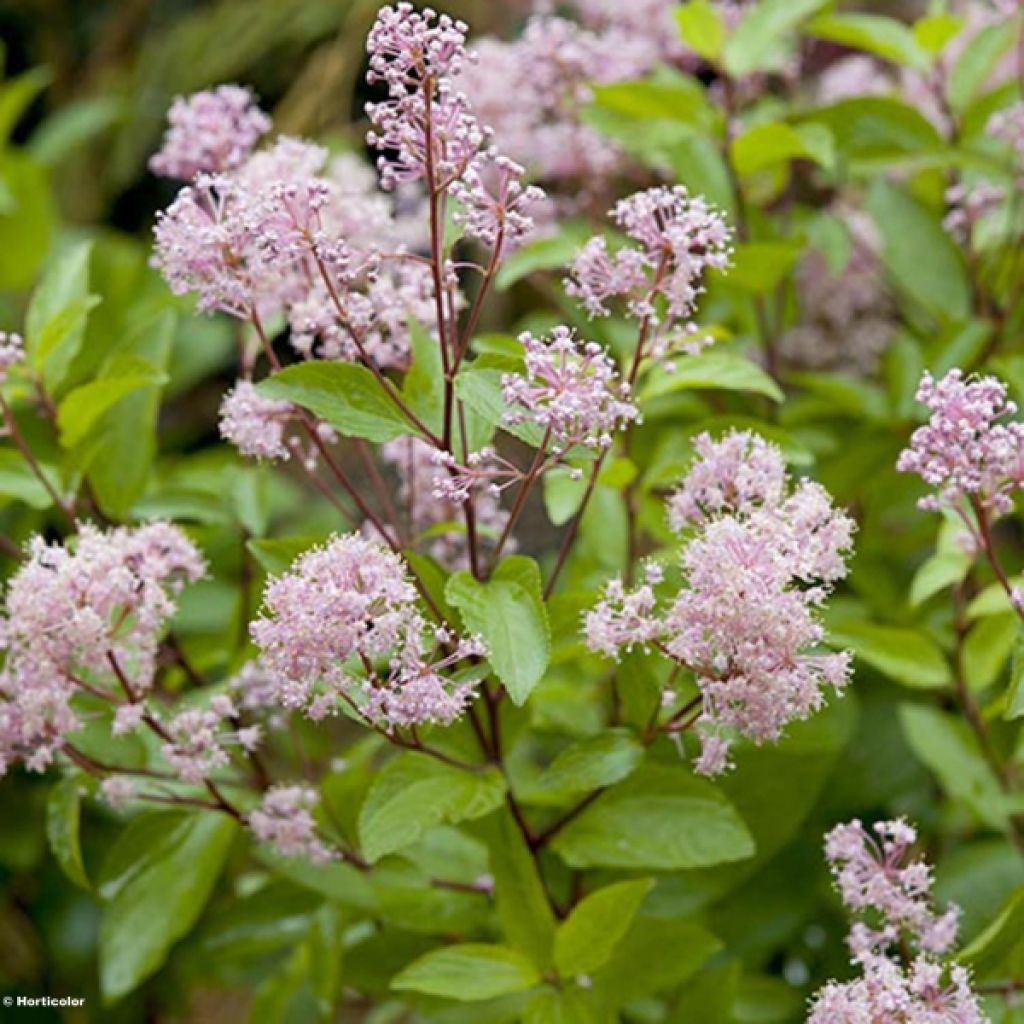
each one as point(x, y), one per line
point(702, 28)
point(479, 386)
point(468, 973)
point(83, 407)
point(27, 217)
point(17, 481)
point(423, 387)
point(16, 95)
point(933, 33)
point(661, 818)
point(974, 66)
point(277, 554)
point(587, 938)
point(160, 901)
point(760, 267)
point(942, 570)
point(919, 253)
point(1015, 693)
point(712, 370)
point(57, 314)
point(527, 920)
point(758, 42)
point(346, 395)
point(559, 1006)
point(72, 126)
point(904, 655)
point(63, 816)
point(550, 253)
point(946, 747)
point(775, 142)
point(592, 763)
point(884, 37)
point(680, 99)
point(414, 793)
point(508, 612)
point(877, 128)
point(987, 647)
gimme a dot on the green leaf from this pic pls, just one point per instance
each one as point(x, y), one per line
point(123, 442)
point(423, 387)
point(346, 395)
point(775, 142)
point(551, 253)
point(933, 33)
point(414, 793)
point(16, 95)
point(527, 920)
point(160, 901)
point(986, 649)
point(508, 612)
point(661, 818)
point(593, 763)
point(1015, 692)
point(587, 938)
point(83, 407)
point(1003, 938)
point(27, 217)
point(57, 314)
point(884, 37)
point(903, 655)
point(974, 66)
point(702, 28)
point(947, 748)
point(942, 570)
point(760, 267)
point(277, 554)
point(758, 42)
point(17, 481)
point(680, 99)
point(712, 370)
point(919, 253)
point(877, 128)
point(559, 1006)
point(468, 973)
point(63, 816)
point(72, 126)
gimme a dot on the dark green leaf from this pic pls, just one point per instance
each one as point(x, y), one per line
point(63, 815)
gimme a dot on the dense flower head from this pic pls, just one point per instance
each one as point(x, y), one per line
point(343, 625)
point(570, 389)
point(761, 556)
point(284, 820)
point(89, 612)
point(255, 425)
point(896, 936)
point(12, 352)
point(211, 131)
point(200, 737)
point(966, 451)
point(678, 238)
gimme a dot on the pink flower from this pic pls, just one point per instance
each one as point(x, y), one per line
point(570, 390)
point(965, 451)
point(210, 131)
point(73, 612)
point(343, 625)
point(284, 820)
point(253, 424)
point(12, 352)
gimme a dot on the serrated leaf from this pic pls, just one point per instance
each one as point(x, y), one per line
point(587, 938)
point(508, 611)
point(468, 973)
point(346, 395)
point(414, 793)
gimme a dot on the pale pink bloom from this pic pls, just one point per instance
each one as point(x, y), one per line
point(284, 820)
point(75, 612)
point(117, 790)
point(12, 352)
point(967, 451)
point(570, 389)
point(343, 625)
point(210, 131)
point(623, 619)
point(255, 425)
point(198, 744)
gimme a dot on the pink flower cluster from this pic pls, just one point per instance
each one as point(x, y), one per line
point(286, 233)
point(210, 131)
point(876, 878)
point(253, 424)
point(284, 820)
point(343, 625)
point(570, 390)
point(966, 451)
point(84, 617)
point(12, 352)
point(763, 555)
point(678, 239)
point(426, 130)
point(198, 743)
